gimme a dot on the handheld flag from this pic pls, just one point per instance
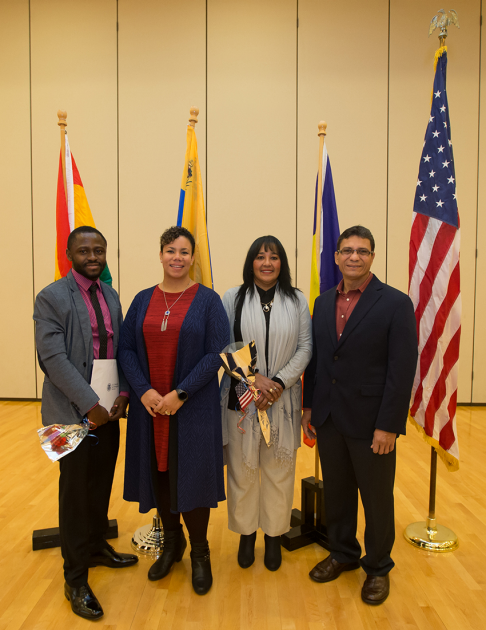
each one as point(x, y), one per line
point(191, 213)
point(325, 275)
point(72, 211)
point(434, 280)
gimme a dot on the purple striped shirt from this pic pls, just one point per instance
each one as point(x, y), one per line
point(84, 285)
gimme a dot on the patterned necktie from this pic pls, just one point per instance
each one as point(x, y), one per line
point(101, 322)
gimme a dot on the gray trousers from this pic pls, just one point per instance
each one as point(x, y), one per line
point(263, 500)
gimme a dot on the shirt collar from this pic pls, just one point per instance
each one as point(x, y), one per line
point(82, 282)
point(339, 287)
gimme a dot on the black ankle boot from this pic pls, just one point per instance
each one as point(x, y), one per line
point(273, 553)
point(175, 544)
point(246, 551)
point(202, 578)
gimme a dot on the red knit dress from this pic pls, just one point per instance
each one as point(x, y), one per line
point(162, 355)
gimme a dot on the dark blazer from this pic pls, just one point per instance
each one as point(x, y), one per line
point(364, 380)
point(195, 434)
point(65, 349)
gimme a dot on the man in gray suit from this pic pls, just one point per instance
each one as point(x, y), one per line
point(78, 319)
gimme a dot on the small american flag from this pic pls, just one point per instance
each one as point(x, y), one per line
point(434, 285)
point(244, 395)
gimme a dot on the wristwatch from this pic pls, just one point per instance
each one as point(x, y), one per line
point(182, 395)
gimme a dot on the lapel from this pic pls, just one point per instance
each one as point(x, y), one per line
point(329, 307)
point(113, 308)
point(82, 313)
point(371, 295)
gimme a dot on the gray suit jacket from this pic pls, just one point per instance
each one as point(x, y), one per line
point(65, 349)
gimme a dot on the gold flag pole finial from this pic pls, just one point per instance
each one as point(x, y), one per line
point(194, 111)
point(441, 20)
point(62, 116)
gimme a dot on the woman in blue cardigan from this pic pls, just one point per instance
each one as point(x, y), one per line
point(169, 352)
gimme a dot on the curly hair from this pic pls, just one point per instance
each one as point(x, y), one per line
point(170, 235)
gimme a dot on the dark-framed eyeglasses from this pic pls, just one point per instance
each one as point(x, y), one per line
point(361, 251)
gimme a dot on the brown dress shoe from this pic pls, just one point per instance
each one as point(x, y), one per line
point(329, 569)
point(376, 589)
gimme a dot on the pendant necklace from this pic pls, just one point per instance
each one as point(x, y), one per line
point(163, 326)
point(266, 307)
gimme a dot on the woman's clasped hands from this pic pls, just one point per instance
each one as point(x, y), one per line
point(164, 405)
point(270, 392)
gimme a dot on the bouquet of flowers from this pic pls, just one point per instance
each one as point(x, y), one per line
point(58, 440)
point(240, 364)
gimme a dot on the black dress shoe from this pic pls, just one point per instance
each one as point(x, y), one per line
point(175, 544)
point(83, 601)
point(376, 589)
point(273, 553)
point(202, 578)
point(329, 569)
point(246, 550)
point(108, 557)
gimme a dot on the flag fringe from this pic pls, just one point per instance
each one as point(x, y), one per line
point(438, 53)
point(451, 463)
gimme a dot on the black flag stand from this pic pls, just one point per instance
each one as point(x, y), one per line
point(308, 525)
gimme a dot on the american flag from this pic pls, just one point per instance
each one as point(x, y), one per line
point(244, 395)
point(435, 281)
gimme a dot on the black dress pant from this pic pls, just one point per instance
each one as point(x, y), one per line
point(86, 478)
point(349, 465)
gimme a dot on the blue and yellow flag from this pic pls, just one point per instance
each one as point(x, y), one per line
point(191, 212)
point(325, 242)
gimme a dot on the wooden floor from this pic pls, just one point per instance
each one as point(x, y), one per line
point(428, 590)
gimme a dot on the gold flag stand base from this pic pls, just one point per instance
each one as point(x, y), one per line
point(427, 534)
point(431, 537)
point(149, 539)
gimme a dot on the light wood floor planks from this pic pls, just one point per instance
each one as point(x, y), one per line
point(429, 591)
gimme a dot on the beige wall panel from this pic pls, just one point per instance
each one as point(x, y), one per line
point(17, 368)
point(74, 68)
point(162, 73)
point(411, 80)
point(343, 74)
point(251, 130)
point(479, 382)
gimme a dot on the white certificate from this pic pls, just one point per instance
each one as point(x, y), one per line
point(104, 381)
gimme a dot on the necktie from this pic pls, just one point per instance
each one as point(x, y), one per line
point(101, 322)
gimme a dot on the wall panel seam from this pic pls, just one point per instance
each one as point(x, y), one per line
point(32, 193)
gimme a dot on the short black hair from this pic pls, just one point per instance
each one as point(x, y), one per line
point(356, 230)
point(83, 229)
point(270, 243)
point(170, 235)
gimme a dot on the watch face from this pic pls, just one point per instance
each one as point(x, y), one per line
point(181, 394)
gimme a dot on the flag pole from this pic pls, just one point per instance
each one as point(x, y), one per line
point(63, 124)
point(194, 111)
point(428, 534)
point(322, 126)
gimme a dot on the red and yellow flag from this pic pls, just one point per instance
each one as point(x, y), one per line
point(72, 211)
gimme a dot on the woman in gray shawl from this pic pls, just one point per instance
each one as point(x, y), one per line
point(267, 309)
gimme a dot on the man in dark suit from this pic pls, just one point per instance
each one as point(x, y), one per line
point(356, 396)
point(78, 319)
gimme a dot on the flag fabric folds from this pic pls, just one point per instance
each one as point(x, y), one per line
point(434, 280)
point(191, 213)
point(72, 211)
point(325, 242)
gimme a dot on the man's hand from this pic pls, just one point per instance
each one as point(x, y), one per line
point(119, 409)
point(98, 415)
point(306, 425)
point(383, 442)
point(169, 404)
point(262, 403)
point(265, 384)
point(150, 400)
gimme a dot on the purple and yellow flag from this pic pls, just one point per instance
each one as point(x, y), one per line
point(191, 213)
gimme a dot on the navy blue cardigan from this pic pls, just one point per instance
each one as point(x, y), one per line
point(195, 434)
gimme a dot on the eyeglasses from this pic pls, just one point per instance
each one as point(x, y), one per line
point(361, 251)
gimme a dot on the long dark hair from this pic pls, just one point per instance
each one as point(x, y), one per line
point(284, 279)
